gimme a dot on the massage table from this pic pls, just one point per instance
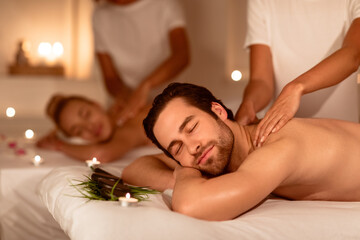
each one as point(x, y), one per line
point(83, 219)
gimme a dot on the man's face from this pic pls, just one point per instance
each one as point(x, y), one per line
point(193, 137)
point(86, 120)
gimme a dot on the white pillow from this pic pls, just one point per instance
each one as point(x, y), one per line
point(274, 219)
point(71, 140)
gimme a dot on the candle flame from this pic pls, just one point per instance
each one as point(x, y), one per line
point(44, 49)
point(37, 158)
point(57, 49)
point(127, 195)
point(94, 160)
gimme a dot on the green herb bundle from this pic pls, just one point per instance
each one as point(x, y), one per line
point(102, 185)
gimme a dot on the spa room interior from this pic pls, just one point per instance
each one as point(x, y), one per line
point(37, 200)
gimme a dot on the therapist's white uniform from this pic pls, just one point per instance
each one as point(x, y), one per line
point(300, 34)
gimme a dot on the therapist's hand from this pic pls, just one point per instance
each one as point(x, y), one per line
point(246, 114)
point(115, 110)
point(283, 109)
point(135, 103)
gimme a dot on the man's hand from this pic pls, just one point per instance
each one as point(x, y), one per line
point(283, 109)
point(246, 115)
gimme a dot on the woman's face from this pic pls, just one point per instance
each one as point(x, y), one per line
point(86, 120)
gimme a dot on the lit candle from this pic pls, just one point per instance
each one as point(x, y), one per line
point(128, 201)
point(44, 51)
point(92, 163)
point(57, 49)
point(37, 160)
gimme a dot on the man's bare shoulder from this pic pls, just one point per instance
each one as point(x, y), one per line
point(303, 129)
point(321, 122)
point(272, 165)
point(278, 155)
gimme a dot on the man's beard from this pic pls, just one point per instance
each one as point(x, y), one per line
point(216, 165)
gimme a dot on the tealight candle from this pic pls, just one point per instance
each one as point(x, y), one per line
point(92, 163)
point(37, 160)
point(128, 201)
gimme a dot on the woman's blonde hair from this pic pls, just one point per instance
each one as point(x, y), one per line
point(57, 103)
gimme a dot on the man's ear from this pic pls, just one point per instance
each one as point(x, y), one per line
point(219, 110)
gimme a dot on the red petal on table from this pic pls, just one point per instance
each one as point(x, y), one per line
point(12, 144)
point(20, 151)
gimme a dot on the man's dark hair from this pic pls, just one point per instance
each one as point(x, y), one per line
point(194, 95)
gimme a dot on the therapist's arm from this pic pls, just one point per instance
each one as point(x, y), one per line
point(329, 72)
point(260, 89)
point(113, 83)
point(167, 70)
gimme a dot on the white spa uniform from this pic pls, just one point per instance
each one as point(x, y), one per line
point(300, 34)
point(136, 36)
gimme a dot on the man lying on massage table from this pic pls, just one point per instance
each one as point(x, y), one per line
point(223, 175)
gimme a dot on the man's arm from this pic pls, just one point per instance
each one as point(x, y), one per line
point(260, 89)
point(329, 72)
point(154, 171)
point(229, 195)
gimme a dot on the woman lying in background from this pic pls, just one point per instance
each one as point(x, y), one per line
point(79, 117)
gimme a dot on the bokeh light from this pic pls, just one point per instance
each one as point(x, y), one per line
point(10, 112)
point(236, 75)
point(29, 134)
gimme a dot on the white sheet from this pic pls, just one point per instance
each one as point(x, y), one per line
point(274, 219)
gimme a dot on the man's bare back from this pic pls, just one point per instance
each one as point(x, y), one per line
point(323, 159)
